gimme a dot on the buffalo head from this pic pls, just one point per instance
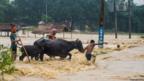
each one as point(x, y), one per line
point(40, 43)
point(79, 45)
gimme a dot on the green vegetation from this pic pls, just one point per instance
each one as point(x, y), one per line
point(6, 63)
point(84, 14)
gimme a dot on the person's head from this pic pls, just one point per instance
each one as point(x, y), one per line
point(54, 33)
point(13, 28)
point(92, 41)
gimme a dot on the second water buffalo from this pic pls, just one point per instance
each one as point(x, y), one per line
point(31, 51)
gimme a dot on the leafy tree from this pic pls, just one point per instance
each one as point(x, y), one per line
point(79, 12)
point(3, 6)
point(28, 11)
point(138, 19)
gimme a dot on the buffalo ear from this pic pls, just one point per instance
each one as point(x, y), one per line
point(77, 39)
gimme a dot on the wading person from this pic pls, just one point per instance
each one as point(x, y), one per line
point(14, 41)
point(89, 48)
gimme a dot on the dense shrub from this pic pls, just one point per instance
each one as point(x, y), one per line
point(6, 63)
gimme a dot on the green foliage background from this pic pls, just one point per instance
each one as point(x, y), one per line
point(6, 63)
point(80, 12)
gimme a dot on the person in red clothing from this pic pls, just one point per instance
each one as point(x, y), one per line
point(53, 34)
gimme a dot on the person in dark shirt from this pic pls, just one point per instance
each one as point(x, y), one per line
point(14, 41)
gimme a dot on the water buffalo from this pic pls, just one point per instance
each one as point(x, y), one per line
point(57, 47)
point(31, 50)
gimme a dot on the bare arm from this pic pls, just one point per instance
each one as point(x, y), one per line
point(16, 41)
point(101, 43)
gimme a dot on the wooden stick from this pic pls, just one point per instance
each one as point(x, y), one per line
point(24, 49)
